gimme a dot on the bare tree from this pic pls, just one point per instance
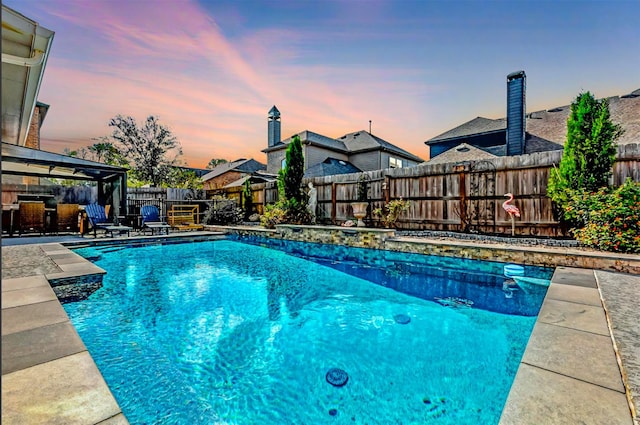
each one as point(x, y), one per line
point(147, 147)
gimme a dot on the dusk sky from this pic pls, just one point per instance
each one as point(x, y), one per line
point(211, 70)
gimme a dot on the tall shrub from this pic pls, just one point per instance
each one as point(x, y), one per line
point(292, 203)
point(294, 171)
point(589, 151)
point(247, 198)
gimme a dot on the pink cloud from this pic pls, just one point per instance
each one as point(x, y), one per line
point(211, 91)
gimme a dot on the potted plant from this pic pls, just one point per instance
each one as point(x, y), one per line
point(360, 206)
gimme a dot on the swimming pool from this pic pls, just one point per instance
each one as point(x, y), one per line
point(226, 332)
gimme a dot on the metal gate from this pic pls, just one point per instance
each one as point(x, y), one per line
point(482, 205)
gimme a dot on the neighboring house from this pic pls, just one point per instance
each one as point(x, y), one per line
point(534, 132)
point(461, 153)
point(230, 172)
point(199, 172)
point(353, 152)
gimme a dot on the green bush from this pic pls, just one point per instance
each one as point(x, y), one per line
point(222, 211)
point(273, 214)
point(391, 212)
point(607, 219)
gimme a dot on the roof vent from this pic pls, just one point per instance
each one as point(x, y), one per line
point(343, 137)
point(356, 135)
point(463, 149)
point(554, 110)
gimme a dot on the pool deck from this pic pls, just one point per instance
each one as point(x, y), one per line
point(581, 365)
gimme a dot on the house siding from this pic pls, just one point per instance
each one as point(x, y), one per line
point(274, 160)
point(314, 155)
point(367, 161)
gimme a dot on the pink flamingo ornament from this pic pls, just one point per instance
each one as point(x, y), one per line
point(512, 210)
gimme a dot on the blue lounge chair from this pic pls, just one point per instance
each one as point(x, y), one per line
point(97, 217)
point(151, 220)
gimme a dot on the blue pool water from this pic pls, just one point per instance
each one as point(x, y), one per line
point(225, 332)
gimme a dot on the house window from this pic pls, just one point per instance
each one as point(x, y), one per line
point(395, 162)
point(283, 164)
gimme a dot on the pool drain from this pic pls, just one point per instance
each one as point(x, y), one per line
point(337, 377)
point(333, 412)
point(403, 319)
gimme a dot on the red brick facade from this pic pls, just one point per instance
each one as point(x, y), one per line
point(222, 180)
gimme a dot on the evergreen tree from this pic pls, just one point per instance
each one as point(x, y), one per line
point(247, 196)
point(294, 171)
point(589, 151)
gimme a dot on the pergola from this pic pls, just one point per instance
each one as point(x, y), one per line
point(111, 180)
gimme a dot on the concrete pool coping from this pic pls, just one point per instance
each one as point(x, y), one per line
point(51, 378)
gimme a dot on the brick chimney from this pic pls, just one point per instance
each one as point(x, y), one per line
point(516, 113)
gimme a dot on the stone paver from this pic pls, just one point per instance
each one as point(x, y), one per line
point(573, 276)
point(67, 391)
point(575, 294)
point(582, 355)
point(575, 316)
point(31, 316)
point(35, 346)
point(27, 296)
point(24, 283)
point(540, 397)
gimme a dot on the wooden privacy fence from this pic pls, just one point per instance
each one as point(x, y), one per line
point(461, 197)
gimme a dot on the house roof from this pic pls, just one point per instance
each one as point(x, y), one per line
point(551, 124)
point(311, 138)
point(462, 152)
point(242, 165)
point(475, 127)
point(25, 50)
point(252, 179)
point(362, 140)
point(549, 127)
point(350, 143)
point(329, 167)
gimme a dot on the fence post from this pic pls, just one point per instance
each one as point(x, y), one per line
point(386, 188)
point(462, 192)
point(333, 202)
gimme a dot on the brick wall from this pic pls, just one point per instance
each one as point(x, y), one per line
point(33, 137)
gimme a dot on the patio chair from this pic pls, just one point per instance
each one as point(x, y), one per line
point(97, 218)
point(31, 217)
point(151, 220)
point(67, 217)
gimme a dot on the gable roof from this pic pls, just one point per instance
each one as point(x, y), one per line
point(549, 127)
point(551, 124)
point(475, 127)
point(253, 178)
point(331, 166)
point(462, 152)
point(363, 141)
point(311, 138)
point(241, 165)
point(350, 143)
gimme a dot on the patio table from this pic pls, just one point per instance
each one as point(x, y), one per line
point(119, 229)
